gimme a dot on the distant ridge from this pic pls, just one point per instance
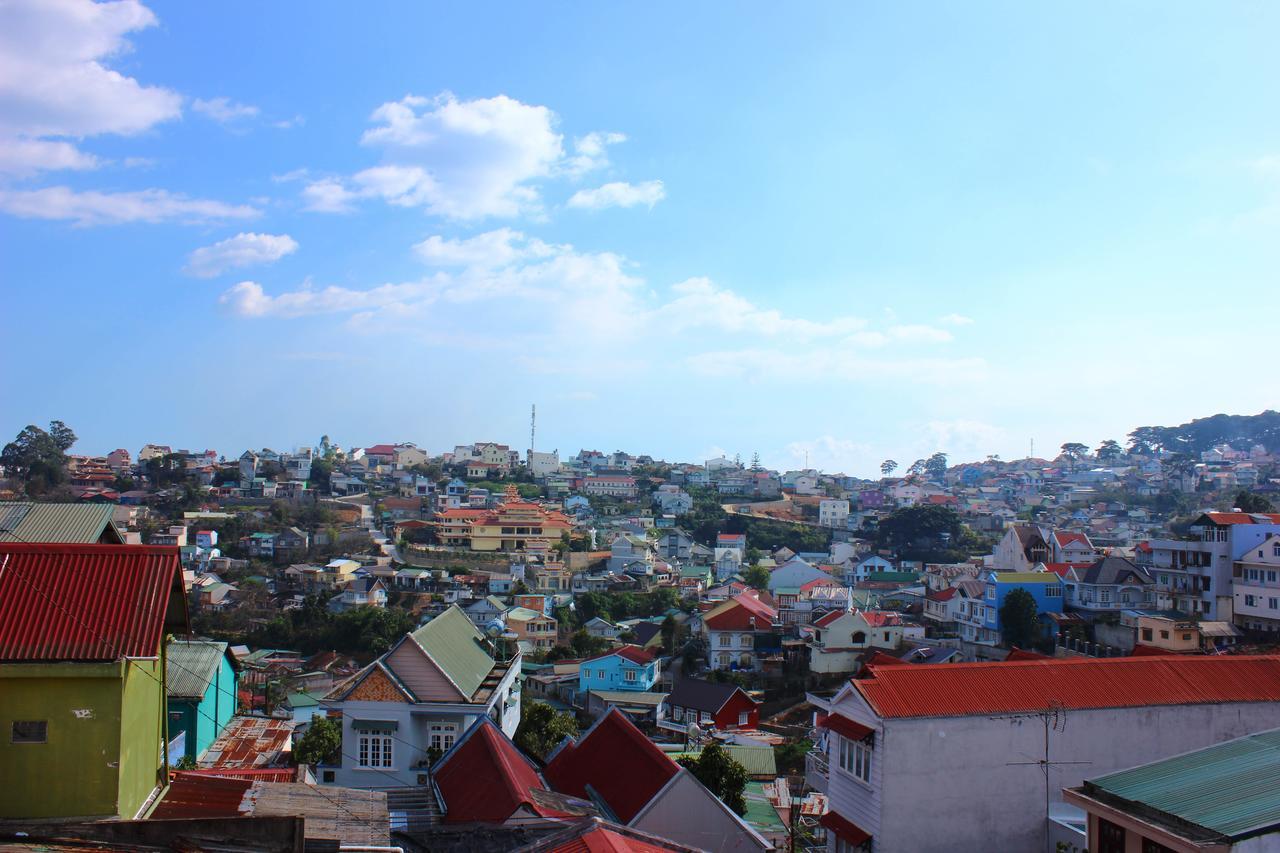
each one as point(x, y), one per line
point(1240, 431)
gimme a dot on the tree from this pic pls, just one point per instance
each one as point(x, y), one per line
point(755, 462)
point(321, 474)
point(670, 630)
point(1074, 451)
point(789, 756)
point(1248, 501)
point(322, 744)
point(1018, 619)
point(39, 458)
point(1109, 450)
point(887, 467)
point(542, 728)
point(721, 775)
point(917, 468)
point(756, 577)
point(585, 645)
point(936, 466)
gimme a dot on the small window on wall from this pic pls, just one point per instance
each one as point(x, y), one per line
point(30, 731)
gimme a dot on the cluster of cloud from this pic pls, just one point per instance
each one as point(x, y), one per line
point(243, 250)
point(57, 89)
point(473, 159)
point(224, 110)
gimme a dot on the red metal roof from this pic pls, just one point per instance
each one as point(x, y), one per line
point(1066, 537)
point(249, 774)
point(739, 618)
point(88, 602)
point(941, 594)
point(848, 831)
point(846, 727)
point(635, 654)
point(251, 742)
point(194, 796)
point(620, 764)
point(826, 619)
point(1141, 651)
point(597, 837)
point(1244, 517)
point(485, 778)
point(1017, 654)
point(1077, 683)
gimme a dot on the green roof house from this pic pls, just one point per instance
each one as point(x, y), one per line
point(201, 680)
point(416, 700)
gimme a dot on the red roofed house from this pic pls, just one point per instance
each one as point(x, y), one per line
point(955, 738)
point(842, 635)
point(1070, 546)
point(82, 676)
point(625, 668)
point(731, 629)
point(724, 706)
point(615, 766)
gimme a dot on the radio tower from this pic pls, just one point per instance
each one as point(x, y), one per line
point(533, 425)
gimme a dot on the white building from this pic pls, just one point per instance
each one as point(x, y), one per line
point(833, 513)
point(543, 464)
point(939, 759)
point(1256, 594)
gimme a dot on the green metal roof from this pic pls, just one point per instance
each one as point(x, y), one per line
point(1229, 788)
point(758, 760)
point(760, 813)
point(1026, 577)
point(457, 647)
point(82, 523)
point(302, 699)
point(190, 667)
point(893, 577)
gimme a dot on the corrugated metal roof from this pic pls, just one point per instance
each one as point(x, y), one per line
point(962, 689)
point(24, 521)
point(88, 602)
point(1228, 788)
point(191, 666)
point(250, 742)
point(455, 645)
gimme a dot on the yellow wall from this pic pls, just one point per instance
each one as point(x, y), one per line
point(141, 734)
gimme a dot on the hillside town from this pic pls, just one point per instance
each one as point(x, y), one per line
point(482, 648)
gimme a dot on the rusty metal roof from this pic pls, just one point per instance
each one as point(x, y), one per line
point(1034, 685)
point(88, 602)
point(251, 742)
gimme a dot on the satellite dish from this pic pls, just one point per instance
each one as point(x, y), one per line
point(495, 628)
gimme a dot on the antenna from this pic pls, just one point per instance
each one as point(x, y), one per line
point(533, 425)
point(1053, 717)
point(1033, 448)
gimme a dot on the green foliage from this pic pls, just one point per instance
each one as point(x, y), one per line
point(887, 467)
point(1109, 450)
point(724, 676)
point(585, 645)
point(789, 756)
point(930, 533)
point(364, 631)
point(616, 606)
point(722, 776)
point(321, 474)
point(756, 577)
point(670, 635)
point(1201, 434)
point(706, 518)
point(186, 762)
point(38, 458)
point(769, 534)
point(936, 466)
point(1249, 501)
point(542, 728)
point(322, 743)
point(1018, 622)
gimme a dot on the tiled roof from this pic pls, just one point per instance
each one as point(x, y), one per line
point(827, 619)
point(635, 654)
point(22, 521)
point(964, 689)
point(598, 760)
point(1066, 537)
point(941, 594)
point(88, 602)
point(738, 617)
point(485, 778)
point(191, 666)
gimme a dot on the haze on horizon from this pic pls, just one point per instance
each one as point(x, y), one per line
point(850, 231)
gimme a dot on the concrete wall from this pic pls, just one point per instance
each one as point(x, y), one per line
point(953, 784)
point(77, 771)
point(142, 734)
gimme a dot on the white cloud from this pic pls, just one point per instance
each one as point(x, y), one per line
point(55, 85)
point(619, 194)
point(827, 364)
point(965, 439)
point(699, 303)
point(498, 248)
point(242, 250)
point(223, 110)
point(458, 159)
point(590, 152)
point(955, 320)
point(828, 453)
point(99, 208)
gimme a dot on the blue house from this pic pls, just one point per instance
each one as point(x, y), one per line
point(201, 679)
point(1044, 587)
point(624, 668)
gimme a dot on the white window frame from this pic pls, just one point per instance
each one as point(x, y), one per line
point(374, 750)
point(443, 736)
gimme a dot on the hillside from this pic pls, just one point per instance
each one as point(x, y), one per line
point(1240, 431)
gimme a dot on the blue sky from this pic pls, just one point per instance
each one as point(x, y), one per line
point(848, 230)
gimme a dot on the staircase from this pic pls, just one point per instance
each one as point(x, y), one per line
point(412, 809)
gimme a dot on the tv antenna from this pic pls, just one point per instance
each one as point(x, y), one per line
point(533, 424)
point(1054, 718)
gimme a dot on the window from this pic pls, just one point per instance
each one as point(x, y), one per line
point(1149, 846)
point(724, 659)
point(1271, 576)
point(1164, 635)
point(677, 713)
point(443, 736)
point(744, 718)
point(706, 717)
point(726, 639)
point(375, 751)
point(629, 675)
point(855, 758)
point(30, 731)
point(1273, 603)
point(1146, 635)
point(1110, 837)
point(1105, 596)
point(1250, 600)
point(745, 641)
point(858, 638)
point(1186, 637)
point(327, 776)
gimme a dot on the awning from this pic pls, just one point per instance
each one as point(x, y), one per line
point(849, 832)
point(375, 725)
point(846, 727)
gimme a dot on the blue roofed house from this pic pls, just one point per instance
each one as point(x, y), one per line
point(1044, 587)
point(794, 574)
point(200, 679)
point(625, 668)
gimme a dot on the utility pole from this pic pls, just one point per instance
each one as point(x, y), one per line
point(533, 425)
point(1053, 717)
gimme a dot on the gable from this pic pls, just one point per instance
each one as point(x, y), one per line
point(687, 813)
point(421, 674)
point(377, 687)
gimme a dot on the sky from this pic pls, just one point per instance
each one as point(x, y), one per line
point(826, 232)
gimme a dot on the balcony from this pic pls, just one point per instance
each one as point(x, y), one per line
point(817, 772)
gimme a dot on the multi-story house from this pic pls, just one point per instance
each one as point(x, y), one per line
point(532, 627)
point(1256, 589)
point(940, 608)
point(841, 636)
point(417, 699)
point(1107, 585)
point(513, 525)
point(609, 485)
point(360, 592)
point(1070, 546)
point(725, 707)
point(624, 668)
point(1044, 587)
point(945, 736)
point(833, 513)
point(672, 500)
point(675, 544)
point(1022, 547)
point(628, 552)
point(1195, 576)
point(732, 628)
point(82, 677)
